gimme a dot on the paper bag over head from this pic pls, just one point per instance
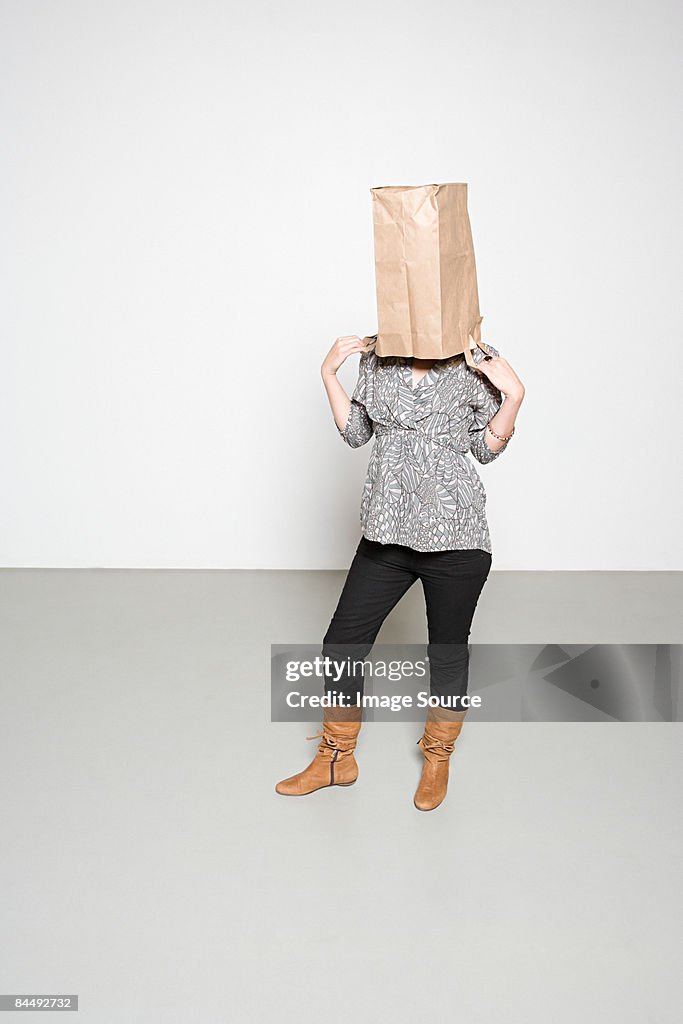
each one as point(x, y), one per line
point(425, 272)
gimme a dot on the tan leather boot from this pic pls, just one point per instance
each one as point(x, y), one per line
point(442, 729)
point(334, 763)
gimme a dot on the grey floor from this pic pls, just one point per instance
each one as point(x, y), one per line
point(148, 866)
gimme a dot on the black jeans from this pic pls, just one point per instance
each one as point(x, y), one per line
point(379, 576)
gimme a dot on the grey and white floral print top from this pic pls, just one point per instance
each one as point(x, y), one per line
point(422, 489)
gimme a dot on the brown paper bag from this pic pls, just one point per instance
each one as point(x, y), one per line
point(426, 277)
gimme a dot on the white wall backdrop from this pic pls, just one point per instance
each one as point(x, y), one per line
point(187, 228)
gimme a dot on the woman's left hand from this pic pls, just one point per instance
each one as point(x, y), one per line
point(502, 376)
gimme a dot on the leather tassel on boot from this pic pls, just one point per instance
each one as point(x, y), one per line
point(334, 763)
point(442, 729)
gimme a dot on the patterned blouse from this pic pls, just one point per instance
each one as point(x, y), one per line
point(421, 489)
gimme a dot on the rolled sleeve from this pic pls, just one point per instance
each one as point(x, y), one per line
point(485, 403)
point(358, 429)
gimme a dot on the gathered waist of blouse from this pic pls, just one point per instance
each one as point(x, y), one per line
point(455, 444)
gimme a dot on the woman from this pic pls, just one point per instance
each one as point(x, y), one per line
point(423, 517)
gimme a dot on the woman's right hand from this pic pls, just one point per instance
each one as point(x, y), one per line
point(340, 351)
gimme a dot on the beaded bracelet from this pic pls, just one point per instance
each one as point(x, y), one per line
point(498, 436)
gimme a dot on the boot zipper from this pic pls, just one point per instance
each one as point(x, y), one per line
point(334, 758)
